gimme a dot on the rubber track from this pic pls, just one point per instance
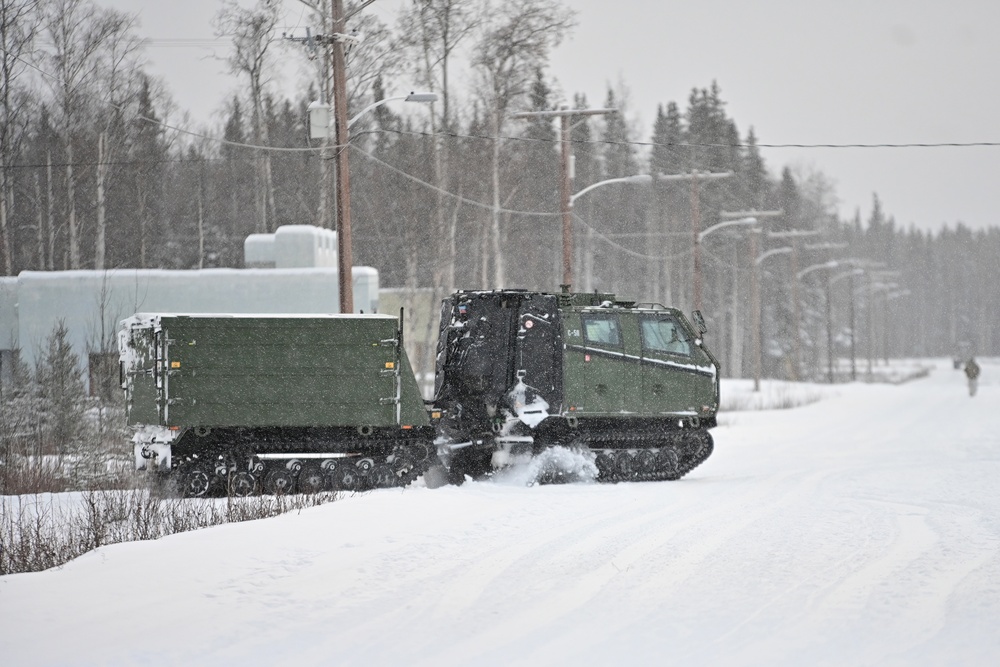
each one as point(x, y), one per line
point(402, 480)
point(613, 445)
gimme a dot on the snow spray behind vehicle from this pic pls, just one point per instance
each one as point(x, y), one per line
point(521, 372)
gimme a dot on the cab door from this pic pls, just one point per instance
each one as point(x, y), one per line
point(603, 363)
point(676, 375)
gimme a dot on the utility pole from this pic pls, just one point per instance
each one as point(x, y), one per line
point(758, 328)
point(794, 235)
point(854, 351)
point(342, 191)
point(870, 310)
point(695, 177)
point(755, 284)
point(566, 175)
point(336, 42)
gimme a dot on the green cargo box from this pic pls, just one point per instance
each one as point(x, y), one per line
point(259, 371)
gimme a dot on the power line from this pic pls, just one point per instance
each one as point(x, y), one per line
point(693, 144)
point(647, 144)
point(465, 200)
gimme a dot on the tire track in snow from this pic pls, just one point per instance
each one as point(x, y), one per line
point(627, 547)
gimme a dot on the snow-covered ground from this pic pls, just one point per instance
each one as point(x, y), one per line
point(860, 529)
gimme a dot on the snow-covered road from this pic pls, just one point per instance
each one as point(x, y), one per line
point(860, 530)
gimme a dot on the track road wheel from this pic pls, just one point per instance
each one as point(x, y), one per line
point(645, 462)
point(625, 465)
point(312, 479)
point(667, 463)
point(196, 480)
point(605, 465)
point(279, 481)
point(345, 477)
point(242, 484)
point(382, 476)
point(403, 468)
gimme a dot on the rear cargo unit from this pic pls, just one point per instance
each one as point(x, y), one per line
point(263, 398)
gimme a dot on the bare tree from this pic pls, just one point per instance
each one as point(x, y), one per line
point(433, 30)
point(253, 34)
point(442, 26)
point(80, 36)
point(18, 25)
point(515, 42)
point(372, 58)
point(119, 81)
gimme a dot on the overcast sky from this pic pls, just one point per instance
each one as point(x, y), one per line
point(798, 71)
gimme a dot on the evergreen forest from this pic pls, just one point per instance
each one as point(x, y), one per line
point(101, 170)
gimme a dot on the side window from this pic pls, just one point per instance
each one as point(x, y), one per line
point(602, 329)
point(664, 334)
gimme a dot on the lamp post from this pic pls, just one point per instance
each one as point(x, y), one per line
point(755, 286)
point(637, 179)
point(863, 267)
point(794, 235)
point(695, 177)
point(426, 98)
point(832, 264)
point(566, 176)
point(890, 296)
point(319, 128)
point(830, 280)
point(342, 180)
point(755, 289)
point(735, 359)
point(872, 288)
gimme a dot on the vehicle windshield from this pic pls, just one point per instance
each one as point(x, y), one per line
point(665, 334)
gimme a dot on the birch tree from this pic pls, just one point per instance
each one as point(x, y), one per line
point(253, 34)
point(18, 25)
point(515, 42)
point(119, 86)
point(78, 33)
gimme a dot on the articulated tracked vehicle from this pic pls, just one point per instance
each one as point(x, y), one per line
point(281, 402)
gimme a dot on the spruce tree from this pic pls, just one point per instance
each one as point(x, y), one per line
point(60, 390)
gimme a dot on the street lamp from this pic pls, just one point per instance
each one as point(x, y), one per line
point(735, 358)
point(755, 288)
point(726, 223)
point(566, 177)
point(567, 207)
point(830, 280)
point(832, 264)
point(889, 296)
point(872, 288)
point(638, 179)
point(695, 177)
point(426, 98)
point(319, 128)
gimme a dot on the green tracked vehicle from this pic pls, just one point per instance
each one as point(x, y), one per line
point(278, 403)
point(519, 372)
point(242, 403)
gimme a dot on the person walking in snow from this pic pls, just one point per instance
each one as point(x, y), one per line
point(972, 372)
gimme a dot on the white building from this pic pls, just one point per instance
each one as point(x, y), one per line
point(301, 277)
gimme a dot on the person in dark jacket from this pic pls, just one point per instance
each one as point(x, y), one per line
point(972, 372)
